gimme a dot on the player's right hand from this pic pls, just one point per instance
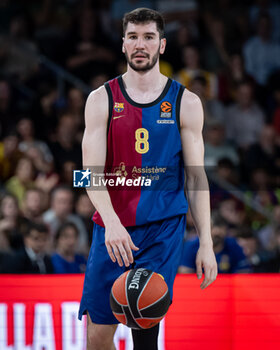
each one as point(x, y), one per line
point(119, 244)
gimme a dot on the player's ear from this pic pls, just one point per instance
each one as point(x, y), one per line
point(123, 49)
point(162, 45)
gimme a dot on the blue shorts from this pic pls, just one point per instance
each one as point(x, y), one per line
point(160, 246)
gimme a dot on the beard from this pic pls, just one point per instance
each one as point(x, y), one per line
point(143, 68)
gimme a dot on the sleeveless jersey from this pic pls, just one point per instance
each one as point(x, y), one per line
point(144, 142)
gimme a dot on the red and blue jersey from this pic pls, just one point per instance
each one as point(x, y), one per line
point(144, 141)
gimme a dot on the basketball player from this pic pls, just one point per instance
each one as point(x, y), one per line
point(143, 122)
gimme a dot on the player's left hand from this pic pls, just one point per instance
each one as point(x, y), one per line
point(205, 258)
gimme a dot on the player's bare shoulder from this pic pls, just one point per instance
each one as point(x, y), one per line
point(96, 109)
point(191, 111)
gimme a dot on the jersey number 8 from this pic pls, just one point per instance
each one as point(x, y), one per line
point(142, 144)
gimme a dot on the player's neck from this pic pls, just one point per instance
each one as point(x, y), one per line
point(144, 81)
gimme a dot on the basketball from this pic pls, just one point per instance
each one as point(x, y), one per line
point(139, 298)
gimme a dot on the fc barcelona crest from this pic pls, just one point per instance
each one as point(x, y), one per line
point(119, 107)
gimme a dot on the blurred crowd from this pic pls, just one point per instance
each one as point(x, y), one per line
point(225, 51)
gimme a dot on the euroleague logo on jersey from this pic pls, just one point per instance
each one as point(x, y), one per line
point(165, 109)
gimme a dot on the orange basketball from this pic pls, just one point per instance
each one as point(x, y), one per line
point(139, 298)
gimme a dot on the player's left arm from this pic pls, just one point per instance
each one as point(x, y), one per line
point(191, 120)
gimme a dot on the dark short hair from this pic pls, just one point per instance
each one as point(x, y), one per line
point(225, 162)
point(34, 226)
point(33, 189)
point(144, 15)
point(245, 82)
point(59, 188)
point(63, 227)
point(246, 232)
point(218, 221)
point(263, 15)
point(200, 79)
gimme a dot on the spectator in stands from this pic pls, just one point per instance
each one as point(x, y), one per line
point(266, 198)
point(221, 178)
point(192, 69)
point(9, 155)
point(230, 78)
point(66, 147)
point(38, 160)
point(12, 223)
point(47, 182)
point(267, 234)
point(216, 147)
point(227, 171)
point(183, 36)
point(265, 153)
point(177, 10)
point(75, 107)
point(61, 210)
point(215, 52)
point(5, 259)
point(241, 30)
point(8, 109)
point(98, 80)
point(213, 108)
point(233, 213)
point(34, 204)
point(181, 17)
point(261, 54)
point(261, 261)
point(229, 254)
point(22, 180)
point(9, 209)
point(33, 257)
point(119, 7)
point(106, 21)
point(66, 259)
point(25, 129)
point(271, 7)
point(276, 106)
point(44, 109)
point(260, 179)
point(66, 174)
point(18, 52)
point(245, 119)
point(276, 262)
point(85, 210)
point(88, 50)
point(4, 241)
point(7, 224)
point(75, 102)
point(261, 193)
point(221, 9)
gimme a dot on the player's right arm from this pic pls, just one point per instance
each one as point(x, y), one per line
point(94, 148)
